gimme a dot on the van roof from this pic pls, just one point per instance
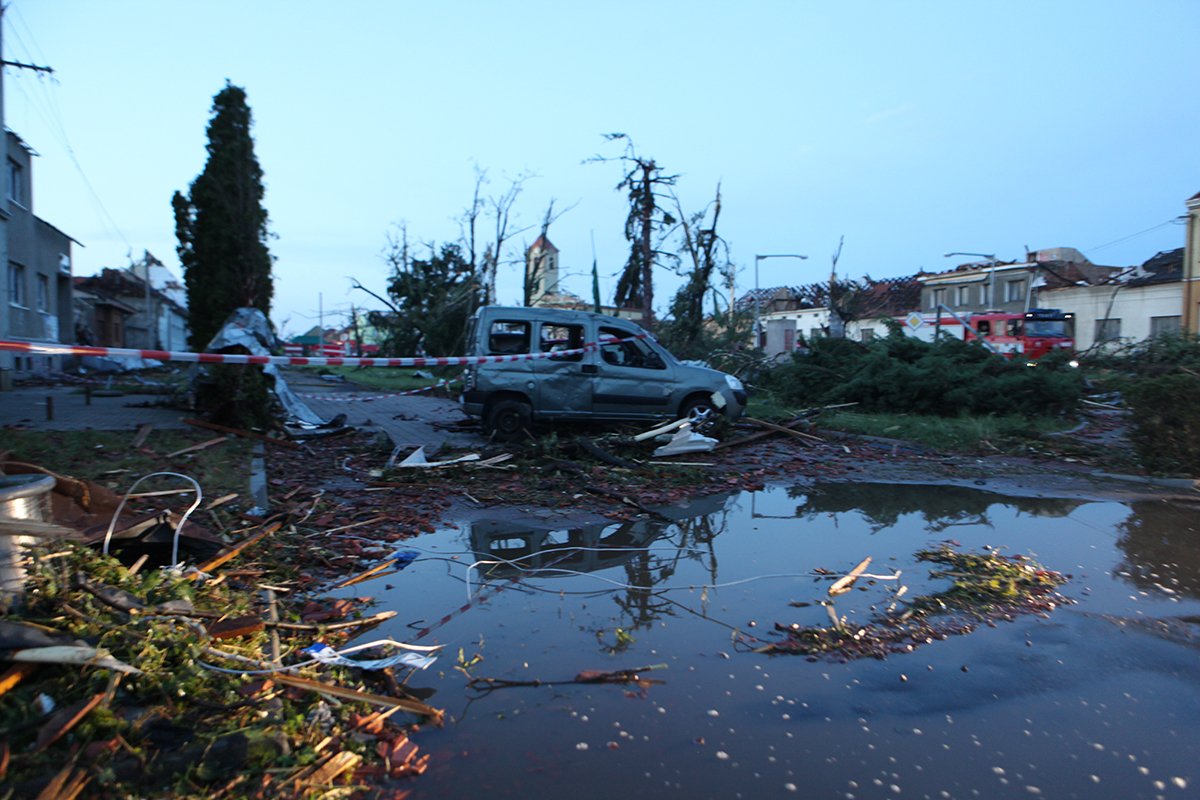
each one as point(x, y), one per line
point(549, 314)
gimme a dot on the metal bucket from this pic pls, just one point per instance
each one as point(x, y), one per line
point(21, 497)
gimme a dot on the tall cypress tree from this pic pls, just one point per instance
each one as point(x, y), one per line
point(221, 224)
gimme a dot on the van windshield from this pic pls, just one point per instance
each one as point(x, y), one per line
point(624, 348)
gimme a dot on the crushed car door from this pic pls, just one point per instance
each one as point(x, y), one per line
point(564, 385)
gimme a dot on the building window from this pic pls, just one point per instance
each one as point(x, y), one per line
point(1014, 291)
point(43, 292)
point(16, 182)
point(1164, 326)
point(1108, 330)
point(16, 284)
point(964, 296)
point(985, 295)
point(867, 334)
point(939, 299)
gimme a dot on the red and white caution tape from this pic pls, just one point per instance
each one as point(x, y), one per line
point(286, 361)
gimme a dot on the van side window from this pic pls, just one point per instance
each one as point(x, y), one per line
point(556, 338)
point(984, 326)
point(508, 338)
point(619, 349)
point(1014, 327)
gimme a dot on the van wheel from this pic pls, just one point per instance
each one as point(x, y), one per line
point(700, 411)
point(508, 420)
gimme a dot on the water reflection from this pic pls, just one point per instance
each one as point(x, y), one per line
point(650, 552)
point(941, 507)
point(1161, 545)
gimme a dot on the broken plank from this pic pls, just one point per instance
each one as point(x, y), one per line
point(63, 721)
point(843, 584)
point(236, 626)
point(341, 693)
point(212, 426)
point(143, 432)
point(325, 771)
point(754, 437)
point(783, 429)
point(236, 550)
point(14, 675)
point(196, 447)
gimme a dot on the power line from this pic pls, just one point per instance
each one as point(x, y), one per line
point(1171, 221)
point(46, 107)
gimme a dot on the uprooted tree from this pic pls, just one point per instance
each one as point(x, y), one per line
point(221, 227)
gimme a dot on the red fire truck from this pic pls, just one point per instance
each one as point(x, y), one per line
point(1028, 335)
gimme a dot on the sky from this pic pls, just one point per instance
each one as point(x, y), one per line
point(910, 129)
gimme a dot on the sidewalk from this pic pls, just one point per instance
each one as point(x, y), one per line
point(66, 408)
point(406, 420)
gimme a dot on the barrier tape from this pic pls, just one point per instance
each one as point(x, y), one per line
point(293, 361)
point(287, 361)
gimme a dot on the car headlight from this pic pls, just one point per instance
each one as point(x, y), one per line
point(734, 383)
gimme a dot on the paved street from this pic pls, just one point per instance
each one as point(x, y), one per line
point(412, 420)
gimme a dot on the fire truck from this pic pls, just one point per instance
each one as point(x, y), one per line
point(1028, 335)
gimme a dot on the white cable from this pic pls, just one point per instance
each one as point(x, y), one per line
point(112, 524)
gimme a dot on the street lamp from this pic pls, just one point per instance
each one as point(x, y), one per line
point(991, 260)
point(757, 322)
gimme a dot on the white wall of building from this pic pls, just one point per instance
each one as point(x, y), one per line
point(1140, 309)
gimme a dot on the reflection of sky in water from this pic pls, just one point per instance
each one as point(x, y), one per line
point(1069, 705)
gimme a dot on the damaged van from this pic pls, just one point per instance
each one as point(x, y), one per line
point(578, 365)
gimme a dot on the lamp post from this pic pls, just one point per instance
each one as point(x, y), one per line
point(757, 321)
point(991, 258)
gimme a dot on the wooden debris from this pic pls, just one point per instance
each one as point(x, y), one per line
point(353, 695)
point(754, 437)
point(843, 584)
point(14, 675)
point(236, 550)
point(63, 721)
point(806, 437)
point(212, 426)
point(325, 771)
point(66, 785)
point(236, 626)
point(202, 446)
point(220, 501)
point(71, 654)
point(143, 432)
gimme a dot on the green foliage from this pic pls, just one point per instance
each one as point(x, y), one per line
point(1160, 379)
point(432, 300)
point(237, 396)
point(1002, 432)
point(1166, 421)
point(716, 342)
point(221, 224)
point(900, 374)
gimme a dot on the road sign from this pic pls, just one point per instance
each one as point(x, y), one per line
point(914, 320)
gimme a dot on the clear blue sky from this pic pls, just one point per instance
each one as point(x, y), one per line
point(911, 128)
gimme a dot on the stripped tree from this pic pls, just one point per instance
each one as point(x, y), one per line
point(643, 180)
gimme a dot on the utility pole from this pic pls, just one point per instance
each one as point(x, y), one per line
point(837, 326)
point(7, 359)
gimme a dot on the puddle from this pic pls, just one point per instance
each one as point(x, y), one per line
point(1098, 697)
